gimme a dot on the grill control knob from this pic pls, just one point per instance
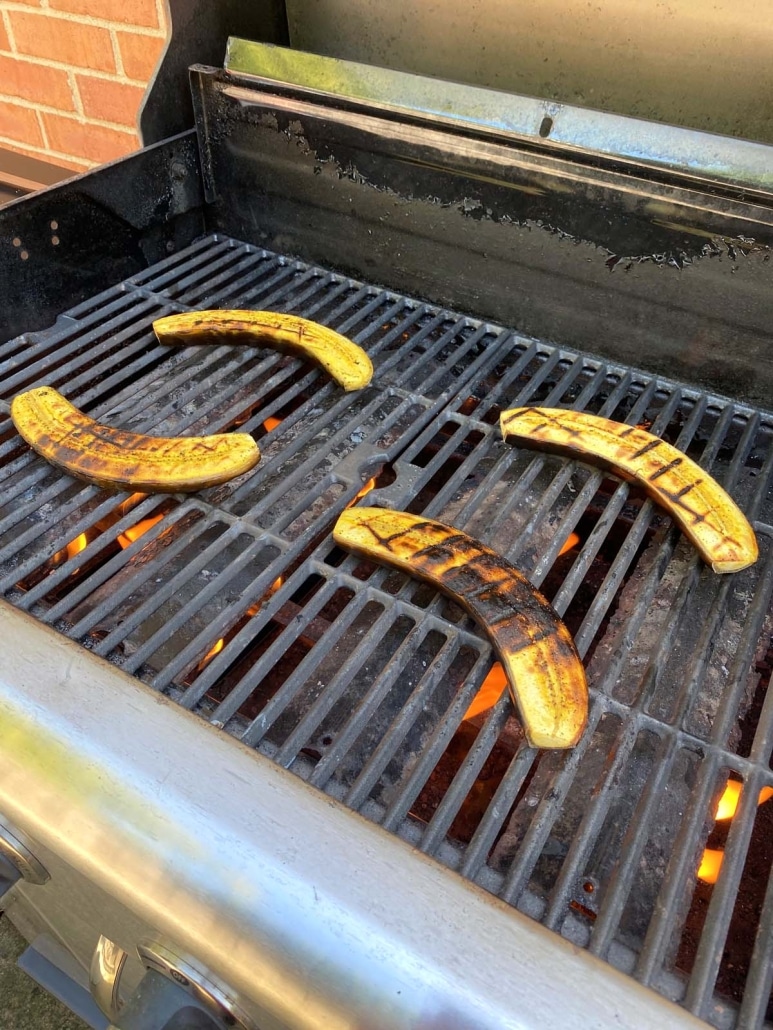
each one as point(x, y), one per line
point(17, 861)
point(176, 992)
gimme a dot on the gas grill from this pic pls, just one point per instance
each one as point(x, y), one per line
point(241, 782)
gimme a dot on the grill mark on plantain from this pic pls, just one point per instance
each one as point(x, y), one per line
point(665, 469)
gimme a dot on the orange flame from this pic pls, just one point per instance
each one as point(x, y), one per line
point(711, 862)
point(74, 547)
point(728, 803)
point(135, 532)
point(271, 423)
point(571, 541)
point(218, 646)
point(365, 489)
point(490, 691)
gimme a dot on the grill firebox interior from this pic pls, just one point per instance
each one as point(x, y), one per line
point(236, 603)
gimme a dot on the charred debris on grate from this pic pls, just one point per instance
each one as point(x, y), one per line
point(358, 678)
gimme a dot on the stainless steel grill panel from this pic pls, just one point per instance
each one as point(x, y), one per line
point(358, 678)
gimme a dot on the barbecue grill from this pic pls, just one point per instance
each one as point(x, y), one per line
point(241, 782)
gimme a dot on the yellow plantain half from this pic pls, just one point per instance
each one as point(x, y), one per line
point(343, 360)
point(117, 459)
point(707, 515)
point(544, 671)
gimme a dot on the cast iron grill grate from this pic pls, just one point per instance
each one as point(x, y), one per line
point(237, 604)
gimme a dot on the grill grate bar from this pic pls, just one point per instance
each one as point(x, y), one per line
point(303, 441)
point(388, 746)
point(336, 687)
point(626, 554)
point(680, 869)
point(463, 781)
point(271, 289)
point(652, 954)
point(465, 469)
point(34, 372)
point(92, 549)
point(100, 576)
point(624, 874)
point(245, 637)
point(510, 786)
point(435, 747)
point(204, 253)
point(755, 618)
point(243, 266)
point(589, 829)
point(545, 813)
point(759, 981)
point(199, 273)
point(561, 478)
point(762, 746)
point(142, 575)
point(187, 611)
point(358, 720)
point(592, 545)
point(286, 693)
point(168, 590)
point(67, 329)
point(22, 570)
point(710, 948)
point(508, 455)
point(38, 471)
point(293, 291)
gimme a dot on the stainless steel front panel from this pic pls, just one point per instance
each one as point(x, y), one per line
point(256, 883)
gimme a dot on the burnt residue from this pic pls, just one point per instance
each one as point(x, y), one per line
point(630, 227)
point(616, 262)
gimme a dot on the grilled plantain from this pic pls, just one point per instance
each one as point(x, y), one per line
point(117, 459)
point(707, 515)
point(544, 671)
point(347, 363)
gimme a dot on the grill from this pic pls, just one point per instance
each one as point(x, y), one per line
point(236, 604)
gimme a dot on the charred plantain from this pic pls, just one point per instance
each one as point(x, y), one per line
point(117, 459)
point(707, 515)
point(343, 360)
point(544, 671)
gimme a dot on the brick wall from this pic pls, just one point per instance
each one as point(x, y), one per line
point(72, 74)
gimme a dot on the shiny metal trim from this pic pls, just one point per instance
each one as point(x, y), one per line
point(105, 972)
point(202, 985)
point(314, 916)
point(16, 847)
point(683, 62)
point(563, 126)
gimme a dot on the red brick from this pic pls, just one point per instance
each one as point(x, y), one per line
point(19, 123)
point(4, 42)
point(139, 54)
point(50, 86)
point(133, 12)
point(94, 142)
point(109, 101)
point(60, 39)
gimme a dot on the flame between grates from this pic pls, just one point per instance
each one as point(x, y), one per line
point(369, 685)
